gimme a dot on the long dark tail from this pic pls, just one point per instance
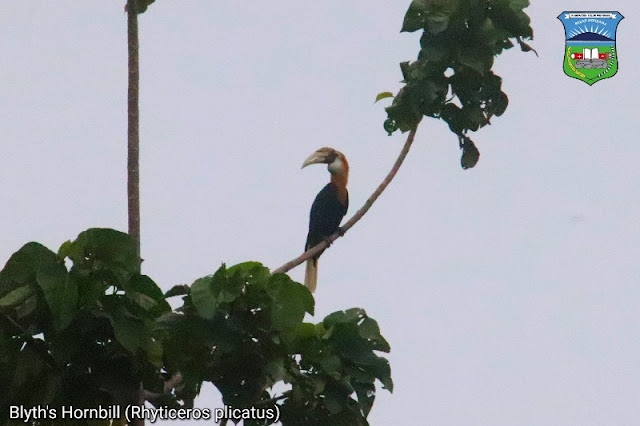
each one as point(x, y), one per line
point(311, 274)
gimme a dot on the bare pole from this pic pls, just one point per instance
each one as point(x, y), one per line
point(133, 149)
point(133, 132)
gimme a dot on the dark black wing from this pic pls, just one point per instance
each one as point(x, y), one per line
point(326, 214)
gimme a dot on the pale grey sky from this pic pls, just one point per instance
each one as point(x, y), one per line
point(508, 292)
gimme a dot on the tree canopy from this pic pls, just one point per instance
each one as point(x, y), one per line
point(83, 327)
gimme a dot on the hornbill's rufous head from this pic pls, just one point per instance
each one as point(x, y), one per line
point(335, 160)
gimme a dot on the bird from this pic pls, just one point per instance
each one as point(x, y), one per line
point(328, 208)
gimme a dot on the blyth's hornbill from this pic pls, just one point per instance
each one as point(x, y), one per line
point(328, 208)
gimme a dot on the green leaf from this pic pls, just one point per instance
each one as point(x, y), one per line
point(27, 307)
point(383, 95)
point(155, 353)
point(178, 290)
point(305, 330)
point(27, 371)
point(382, 371)
point(203, 297)
point(525, 47)
point(16, 296)
point(404, 68)
point(470, 154)
point(24, 264)
point(463, 36)
point(414, 18)
point(509, 16)
point(435, 49)
point(70, 250)
point(143, 291)
point(142, 300)
point(478, 58)
point(366, 393)
point(519, 4)
point(353, 348)
point(130, 331)
point(431, 15)
point(276, 370)
point(331, 365)
point(60, 292)
point(437, 22)
point(228, 284)
point(369, 330)
point(291, 300)
point(499, 104)
point(475, 117)
point(350, 316)
point(104, 249)
point(252, 273)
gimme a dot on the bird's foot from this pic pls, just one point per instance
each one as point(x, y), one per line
point(341, 231)
point(328, 240)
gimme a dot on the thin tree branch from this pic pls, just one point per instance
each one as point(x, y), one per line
point(168, 387)
point(271, 401)
point(359, 214)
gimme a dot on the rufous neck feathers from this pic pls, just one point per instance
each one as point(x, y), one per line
point(339, 169)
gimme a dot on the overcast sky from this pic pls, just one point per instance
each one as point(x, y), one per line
point(509, 293)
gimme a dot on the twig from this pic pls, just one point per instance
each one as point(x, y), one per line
point(168, 387)
point(275, 399)
point(356, 217)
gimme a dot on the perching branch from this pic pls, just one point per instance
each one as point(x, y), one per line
point(356, 217)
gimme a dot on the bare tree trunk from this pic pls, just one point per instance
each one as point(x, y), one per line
point(133, 162)
point(133, 150)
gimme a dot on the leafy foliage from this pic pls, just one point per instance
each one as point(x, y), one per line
point(452, 79)
point(83, 336)
point(242, 329)
point(88, 335)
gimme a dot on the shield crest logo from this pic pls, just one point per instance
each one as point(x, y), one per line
point(590, 52)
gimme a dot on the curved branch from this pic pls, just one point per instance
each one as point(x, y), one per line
point(358, 215)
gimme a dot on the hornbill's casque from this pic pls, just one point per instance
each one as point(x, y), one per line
point(328, 208)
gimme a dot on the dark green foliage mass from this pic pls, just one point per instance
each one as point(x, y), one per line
point(452, 78)
point(89, 334)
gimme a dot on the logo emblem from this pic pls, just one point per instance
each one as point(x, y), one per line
point(590, 52)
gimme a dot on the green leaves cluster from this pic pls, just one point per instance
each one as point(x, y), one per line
point(81, 336)
point(88, 334)
point(452, 79)
point(242, 329)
